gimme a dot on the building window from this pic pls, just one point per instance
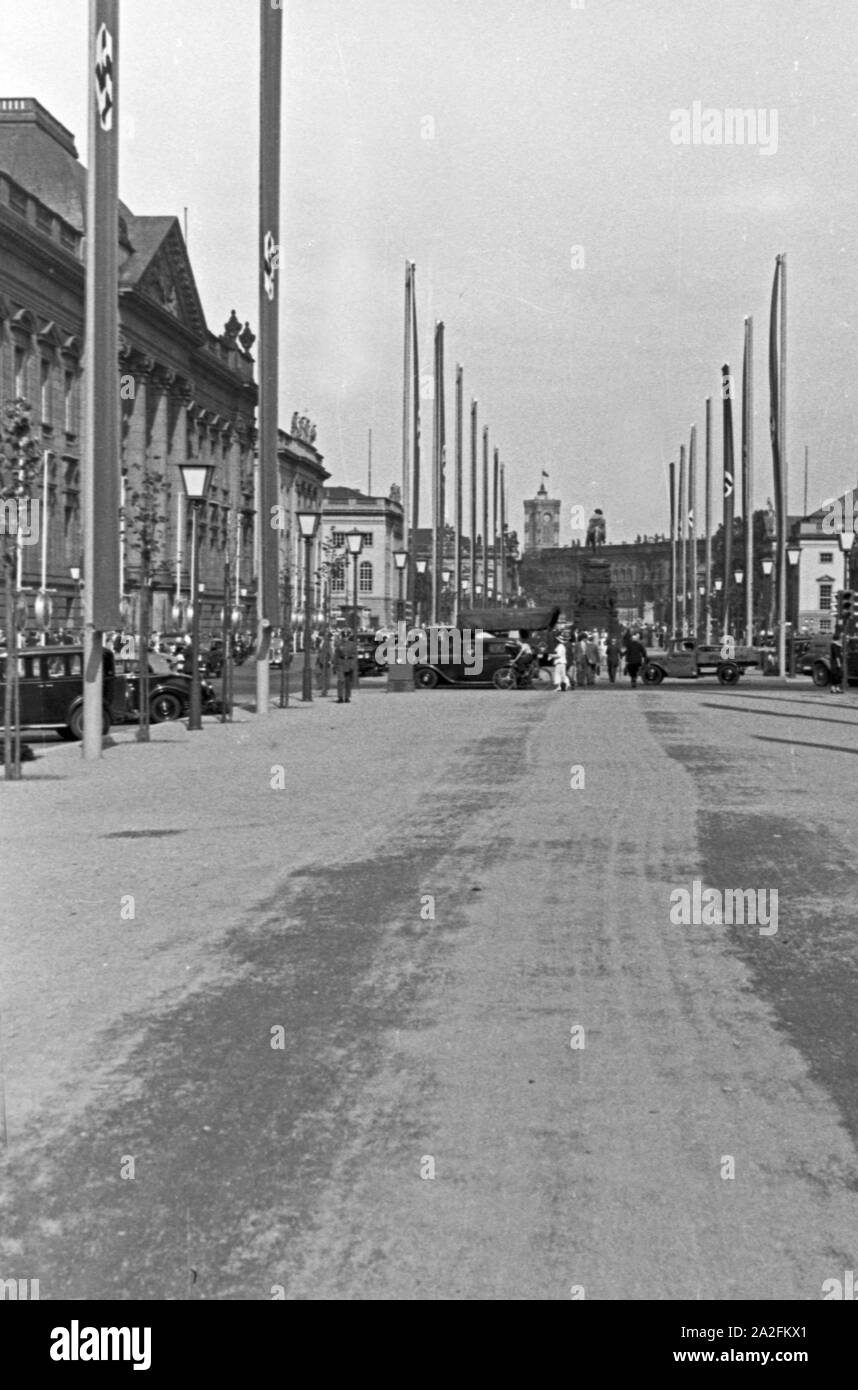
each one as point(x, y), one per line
point(825, 624)
point(339, 539)
point(338, 580)
point(825, 597)
point(365, 577)
point(69, 403)
point(826, 557)
point(44, 219)
point(20, 373)
point(17, 199)
point(45, 389)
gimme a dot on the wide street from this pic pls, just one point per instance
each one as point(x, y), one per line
point(385, 1002)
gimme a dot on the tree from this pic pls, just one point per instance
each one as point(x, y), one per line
point(144, 539)
point(20, 456)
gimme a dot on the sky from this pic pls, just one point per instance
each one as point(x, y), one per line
point(592, 271)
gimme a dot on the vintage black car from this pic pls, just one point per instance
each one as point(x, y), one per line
point(473, 652)
point(50, 684)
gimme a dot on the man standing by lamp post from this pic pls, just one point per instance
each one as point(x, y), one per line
point(308, 521)
point(354, 540)
point(196, 478)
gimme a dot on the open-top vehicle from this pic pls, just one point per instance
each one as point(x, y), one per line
point(477, 650)
point(686, 659)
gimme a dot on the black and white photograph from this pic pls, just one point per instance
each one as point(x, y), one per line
point(372, 371)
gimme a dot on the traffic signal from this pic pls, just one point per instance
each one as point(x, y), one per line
point(846, 606)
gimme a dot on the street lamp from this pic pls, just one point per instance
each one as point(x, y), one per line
point(308, 521)
point(354, 541)
point(400, 559)
point(196, 478)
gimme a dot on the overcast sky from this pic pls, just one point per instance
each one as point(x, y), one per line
point(485, 141)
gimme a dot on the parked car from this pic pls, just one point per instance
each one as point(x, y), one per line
point(50, 685)
point(813, 658)
point(368, 664)
point(686, 659)
point(169, 691)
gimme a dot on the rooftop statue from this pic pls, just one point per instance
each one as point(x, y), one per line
point(596, 530)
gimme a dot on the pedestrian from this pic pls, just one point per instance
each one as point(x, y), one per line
point(635, 659)
point(345, 656)
point(581, 660)
point(836, 657)
point(612, 658)
point(558, 665)
point(592, 652)
point(569, 643)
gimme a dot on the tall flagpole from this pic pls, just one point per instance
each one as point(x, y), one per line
point(748, 474)
point(729, 491)
point(784, 479)
point(502, 536)
point(485, 515)
point(708, 542)
point(672, 475)
point(495, 485)
point(457, 576)
point(692, 527)
point(269, 602)
point(415, 443)
point(101, 455)
point(438, 475)
point(406, 414)
point(683, 550)
point(473, 588)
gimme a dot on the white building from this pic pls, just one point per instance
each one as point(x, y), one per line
point(379, 521)
point(823, 564)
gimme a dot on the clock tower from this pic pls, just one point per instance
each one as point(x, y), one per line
point(541, 521)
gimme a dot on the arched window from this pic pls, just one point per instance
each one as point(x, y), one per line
point(365, 577)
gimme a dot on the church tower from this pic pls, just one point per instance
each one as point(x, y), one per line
point(541, 521)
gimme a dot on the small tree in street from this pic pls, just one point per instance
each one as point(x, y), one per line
point(20, 456)
point(144, 538)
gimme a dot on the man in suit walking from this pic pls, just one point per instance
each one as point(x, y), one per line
point(345, 658)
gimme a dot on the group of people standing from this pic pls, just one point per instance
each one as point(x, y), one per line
point(577, 657)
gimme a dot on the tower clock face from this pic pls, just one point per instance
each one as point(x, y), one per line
point(547, 518)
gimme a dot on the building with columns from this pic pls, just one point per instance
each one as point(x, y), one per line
point(185, 392)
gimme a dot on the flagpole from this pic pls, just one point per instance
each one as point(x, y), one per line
point(415, 442)
point(692, 527)
point(729, 487)
point(457, 578)
point(672, 489)
point(748, 474)
point(495, 483)
point(406, 417)
point(473, 588)
point(438, 475)
point(784, 478)
point(486, 514)
point(683, 551)
point(101, 454)
point(708, 521)
point(269, 600)
point(502, 535)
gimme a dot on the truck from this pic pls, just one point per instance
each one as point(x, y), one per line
point(686, 659)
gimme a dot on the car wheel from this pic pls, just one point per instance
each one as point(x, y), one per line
point(653, 675)
point(821, 674)
point(165, 707)
point(75, 724)
point(425, 678)
point(504, 678)
point(728, 673)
